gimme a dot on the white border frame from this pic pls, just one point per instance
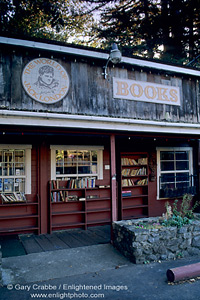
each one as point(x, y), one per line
point(158, 149)
point(99, 150)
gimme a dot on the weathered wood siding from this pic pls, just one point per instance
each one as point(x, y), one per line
point(91, 94)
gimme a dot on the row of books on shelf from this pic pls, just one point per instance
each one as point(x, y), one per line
point(13, 197)
point(62, 196)
point(74, 183)
point(134, 172)
point(133, 162)
point(131, 182)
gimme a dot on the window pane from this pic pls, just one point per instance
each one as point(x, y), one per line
point(86, 155)
point(94, 155)
point(182, 155)
point(19, 169)
point(59, 161)
point(182, 177)
point(1, 185)
point(168, 177)
point(79, 156)
point(182, 185)
point(19, 163)
point(69, 170)
point(19, 185)
point(167, 186)
point(94, 168)
point(8, 156)
point(167, 155)
point(182, 165)
point(84, 169)
point(183, 180)
point(167, 166)
point(19, 156)
point(12, 166)
point(76, 162)
point(8, 185)
point(70, 157)
point(175, 183)
point(7, 169)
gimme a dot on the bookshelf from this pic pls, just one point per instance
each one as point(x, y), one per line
point(134, 185)
point(19, 216)
point(81, 206)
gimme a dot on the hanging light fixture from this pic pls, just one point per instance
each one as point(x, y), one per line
point(115, 57)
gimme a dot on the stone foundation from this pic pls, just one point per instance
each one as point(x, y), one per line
point(163, 243)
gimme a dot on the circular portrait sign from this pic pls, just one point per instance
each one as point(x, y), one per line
point(45, 80)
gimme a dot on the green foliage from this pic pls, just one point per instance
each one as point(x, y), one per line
point(181, 214)
point(170, 29)
point(177, 221)
point(61, 20)
point(167, 30)
point(145, 225)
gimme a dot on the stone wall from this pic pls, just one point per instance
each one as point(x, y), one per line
point(155, 244)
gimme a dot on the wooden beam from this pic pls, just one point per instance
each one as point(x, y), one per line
point(198, 192)
point(113, 178)
point(44, 177)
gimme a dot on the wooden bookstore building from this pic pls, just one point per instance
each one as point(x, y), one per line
point(87, 138)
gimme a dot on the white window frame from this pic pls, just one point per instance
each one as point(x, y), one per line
point(159, 149)
point(27, 175)
point(99, 150)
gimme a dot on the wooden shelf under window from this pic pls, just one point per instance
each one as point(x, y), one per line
point(94, 209)
point(19, 229)
point(19, 217)
point(67, 225)
point(64, 213)
point(134, 196)
point(134, 206)
point(103, 221)
point(18, 204)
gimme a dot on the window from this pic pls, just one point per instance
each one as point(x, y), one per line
point(76, 161)
point(175, 172)
point(15, 169)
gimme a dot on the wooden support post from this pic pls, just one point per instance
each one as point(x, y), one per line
point(113, 178)
point(44, 177)
point(198, 192)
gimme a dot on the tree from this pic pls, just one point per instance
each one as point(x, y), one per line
point(179, 29)
point(59, 20)
point(166, 29)
point(149, 27)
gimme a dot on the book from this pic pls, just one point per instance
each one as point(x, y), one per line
point(128, 161)
point(142, 161)
point(81, 199)
point(134, 172)
point(142, 182)
point(75, 183)
point(13, 197)
point(126, 193)
point(92, 197)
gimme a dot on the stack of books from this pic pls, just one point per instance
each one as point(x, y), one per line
point(126, 193)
